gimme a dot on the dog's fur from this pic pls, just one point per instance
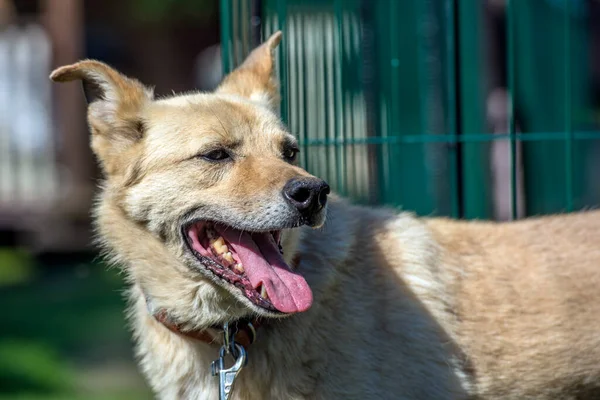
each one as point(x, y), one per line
point(404, 308)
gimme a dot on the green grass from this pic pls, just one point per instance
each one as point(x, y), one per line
point(63, 334)
point(33, 366)
point(111, 395)
point(16, 266)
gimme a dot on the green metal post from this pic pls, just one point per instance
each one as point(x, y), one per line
point(511, 107)
point(451, 105)
point(338, 76)
point(568, 106)
point(476, 188)
point(281, 19)
point(226, 35)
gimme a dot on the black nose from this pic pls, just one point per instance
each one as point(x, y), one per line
point(308, 195)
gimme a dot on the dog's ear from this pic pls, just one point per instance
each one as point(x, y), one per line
point(255, 78)
point(115, 103)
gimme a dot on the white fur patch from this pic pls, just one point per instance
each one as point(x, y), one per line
point(262, 98)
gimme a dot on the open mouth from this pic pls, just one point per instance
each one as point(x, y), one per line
point(252, 262)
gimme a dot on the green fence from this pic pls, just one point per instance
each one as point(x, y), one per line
point(450, 107)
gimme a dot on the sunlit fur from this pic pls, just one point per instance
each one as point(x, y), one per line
point(404, 308)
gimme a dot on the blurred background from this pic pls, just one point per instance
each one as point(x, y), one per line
point(465, 108)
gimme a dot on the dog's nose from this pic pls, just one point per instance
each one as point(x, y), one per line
point(308, 195)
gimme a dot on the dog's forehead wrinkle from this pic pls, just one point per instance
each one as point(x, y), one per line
point(229, 117)
point(224, 131)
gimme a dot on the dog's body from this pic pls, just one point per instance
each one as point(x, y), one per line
point(402, 308)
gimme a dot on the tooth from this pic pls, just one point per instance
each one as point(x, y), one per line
point(219, 245)
point(263, 292)
point(218, 250)
point(239, 268)
point(227, 256)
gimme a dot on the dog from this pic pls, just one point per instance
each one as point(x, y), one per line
point(213, 222)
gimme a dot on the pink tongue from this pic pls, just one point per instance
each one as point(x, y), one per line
point(260, 256)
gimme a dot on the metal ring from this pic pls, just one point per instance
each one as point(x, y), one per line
point(253, 332)
point(227, 338)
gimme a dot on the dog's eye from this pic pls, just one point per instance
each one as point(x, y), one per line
point(216, 155)
point(290, 154)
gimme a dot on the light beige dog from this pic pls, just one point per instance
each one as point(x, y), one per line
point(201, 188)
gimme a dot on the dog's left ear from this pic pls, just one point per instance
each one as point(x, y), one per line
point(115, 105)
point(255, 79)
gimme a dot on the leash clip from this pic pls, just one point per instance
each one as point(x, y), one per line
point(227, 375)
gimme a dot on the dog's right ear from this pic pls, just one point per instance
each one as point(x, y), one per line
point(255, 79)
point(115, 104)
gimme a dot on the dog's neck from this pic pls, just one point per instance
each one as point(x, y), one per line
point(245, 328)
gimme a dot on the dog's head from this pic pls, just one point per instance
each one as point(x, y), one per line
point(202, 189)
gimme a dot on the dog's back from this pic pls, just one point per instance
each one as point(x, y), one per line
point(527, 301)
point(514, 305)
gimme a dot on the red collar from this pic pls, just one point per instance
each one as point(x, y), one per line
point(245, 335)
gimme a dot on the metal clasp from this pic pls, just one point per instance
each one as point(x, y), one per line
point(227, 375)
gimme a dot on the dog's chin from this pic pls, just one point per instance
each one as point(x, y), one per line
point(249, 265)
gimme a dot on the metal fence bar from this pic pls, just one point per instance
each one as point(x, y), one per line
point(463, 138)
point(568, 110)
point(247, 28)
point(338, 72)
point(451, 124)
point(361, 155)
point(393, 124)
point(240, 44)
point(238, 33)
point(308, 160)
point(313, 110)
point(226, 36)
point(475, 185)
point(346, 50)
point(294, 44)
point(321, 92)
point(511, 106)
point(281, 20)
